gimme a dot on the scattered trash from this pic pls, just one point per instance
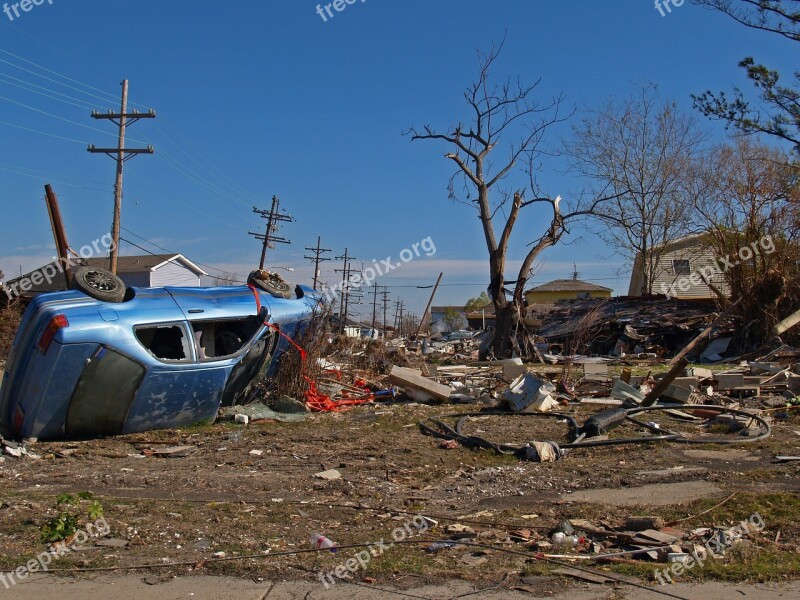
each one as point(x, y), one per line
point(320, 542)
point(528, 393)
point(329, 475)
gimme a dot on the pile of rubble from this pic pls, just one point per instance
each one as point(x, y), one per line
point(626, 325)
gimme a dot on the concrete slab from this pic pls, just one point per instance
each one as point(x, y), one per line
point(658, 494)
point(734, 454)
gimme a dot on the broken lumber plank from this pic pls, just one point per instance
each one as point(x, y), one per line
point(662, 385)
point(690, 346)
point(787, 323)
point(410, 378)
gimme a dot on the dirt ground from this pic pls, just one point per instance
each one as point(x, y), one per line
point(219, 496)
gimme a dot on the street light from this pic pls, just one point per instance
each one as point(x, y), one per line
point(290, 269)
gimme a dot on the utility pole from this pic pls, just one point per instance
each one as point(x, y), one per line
point(273, 217)
point(385, 300)
point(345, 271)
point(59, 233)
point(120, 154)
point(428, 307)
point(317, 258)
point(374, 306)
point(397, 312)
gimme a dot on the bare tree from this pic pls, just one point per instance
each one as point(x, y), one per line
point(497, 111)
point(226, 279)
point(639, 148)
point(750, 206)
point(779, 112)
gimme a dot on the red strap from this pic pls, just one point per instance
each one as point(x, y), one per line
point(315, 400)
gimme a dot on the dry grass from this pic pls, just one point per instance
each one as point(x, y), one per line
point(10, 317)
point(290, 378)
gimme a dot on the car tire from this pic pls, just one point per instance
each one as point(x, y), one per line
point(99, 284)
point(272, 283)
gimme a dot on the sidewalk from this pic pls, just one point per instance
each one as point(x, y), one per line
point(123, 587)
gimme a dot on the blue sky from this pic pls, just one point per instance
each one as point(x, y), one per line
point(263, 97)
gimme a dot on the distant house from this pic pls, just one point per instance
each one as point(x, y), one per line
point(677, 273)
point(152, 270)
point(482, 319)
point(565, 289)
point(437, 318)
point(156, 270)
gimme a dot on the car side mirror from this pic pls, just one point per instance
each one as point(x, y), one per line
point(263, 314)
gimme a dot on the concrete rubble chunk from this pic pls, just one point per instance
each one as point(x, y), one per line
point(329, 475)
point(412, 381)
point(623, 391)
point(530, 394)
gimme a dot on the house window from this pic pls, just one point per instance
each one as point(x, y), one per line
point(681, 267)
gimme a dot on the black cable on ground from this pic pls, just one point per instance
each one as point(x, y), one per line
point(596, 425)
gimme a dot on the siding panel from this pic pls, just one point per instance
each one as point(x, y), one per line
point(175, 274)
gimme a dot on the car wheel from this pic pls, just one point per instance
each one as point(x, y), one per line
point(99, 284)
point(272, 283)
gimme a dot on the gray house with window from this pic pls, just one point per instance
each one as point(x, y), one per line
point(678, 271)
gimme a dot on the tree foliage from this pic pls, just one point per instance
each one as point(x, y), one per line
point(750, 206)
point(477, 303)
point(454, 319)
point(778, 111)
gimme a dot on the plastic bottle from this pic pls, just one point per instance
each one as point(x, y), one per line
point(562, 540)
point(321, 542)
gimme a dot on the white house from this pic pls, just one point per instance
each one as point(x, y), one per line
point(678, 271)
point(155, 270)
point(152, 270)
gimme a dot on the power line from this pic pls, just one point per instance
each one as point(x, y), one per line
point(108, 95)
point(44, 112)
point(234, 186)
point(222, 271)
point(59, 137)
point(50, 95)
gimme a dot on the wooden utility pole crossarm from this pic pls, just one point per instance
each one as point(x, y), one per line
point(317, 258)
point(120, 154)
point(273, 217)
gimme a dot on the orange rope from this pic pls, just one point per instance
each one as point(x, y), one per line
point(316, 400)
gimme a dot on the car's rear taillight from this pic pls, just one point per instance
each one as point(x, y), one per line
point(58, 322)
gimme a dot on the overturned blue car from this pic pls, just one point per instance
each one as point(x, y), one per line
point(130, 360)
